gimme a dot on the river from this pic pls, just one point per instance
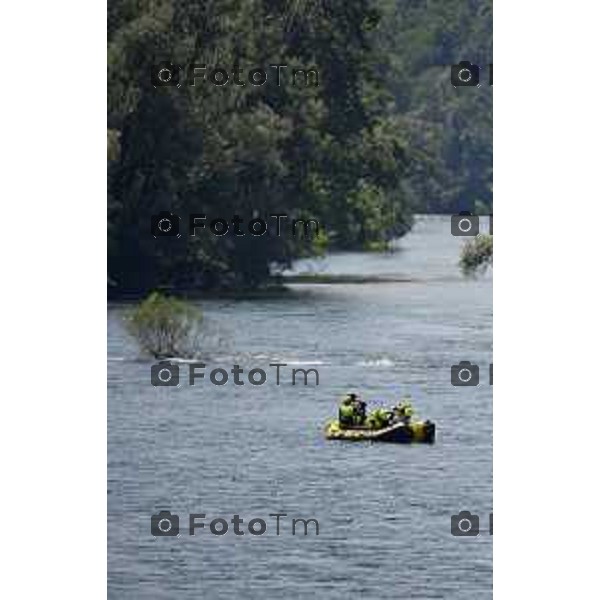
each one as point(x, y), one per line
point(384, 511)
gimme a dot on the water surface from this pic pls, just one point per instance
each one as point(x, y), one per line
point(384, 510)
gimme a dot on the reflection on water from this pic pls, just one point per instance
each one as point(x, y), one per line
point(384, 510)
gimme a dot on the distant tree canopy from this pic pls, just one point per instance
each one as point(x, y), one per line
point(448, 129)
point(382, 135)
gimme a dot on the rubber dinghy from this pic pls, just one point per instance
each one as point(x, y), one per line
point(399, 433)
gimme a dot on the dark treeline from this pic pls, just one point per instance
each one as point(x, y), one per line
point(382, 136)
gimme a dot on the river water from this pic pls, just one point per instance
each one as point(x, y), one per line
point(384, 511)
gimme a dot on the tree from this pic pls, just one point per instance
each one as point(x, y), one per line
point(330, 152)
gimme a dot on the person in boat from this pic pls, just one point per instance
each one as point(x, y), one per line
point(360, 409)
point(347, 412)
point(403, 412)
point(380, 418)
point(352, 412)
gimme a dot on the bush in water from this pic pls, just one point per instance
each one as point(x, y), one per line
point(477, 254)
point(166, 327)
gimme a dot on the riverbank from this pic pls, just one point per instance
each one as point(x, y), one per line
point(278, 286)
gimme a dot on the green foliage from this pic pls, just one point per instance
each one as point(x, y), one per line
point(477, 254)
point(449, 129)
point(383, 135)
point(166, 327)
point(331, 152)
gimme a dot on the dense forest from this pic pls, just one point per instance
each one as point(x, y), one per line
point(383, 135)
point(448, 129)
